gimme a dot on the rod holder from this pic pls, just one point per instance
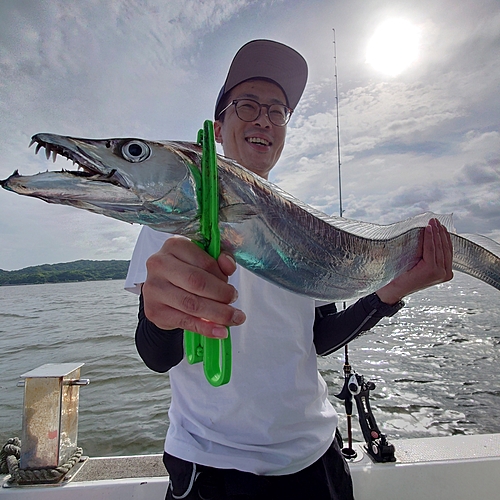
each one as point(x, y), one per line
point(50, 415)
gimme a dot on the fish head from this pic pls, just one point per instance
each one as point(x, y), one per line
point(135, 180)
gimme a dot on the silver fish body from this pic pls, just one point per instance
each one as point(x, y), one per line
point(268, 231)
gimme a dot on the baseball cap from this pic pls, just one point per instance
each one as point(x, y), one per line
point(271, 60)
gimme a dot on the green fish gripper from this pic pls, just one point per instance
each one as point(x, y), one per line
point(215, 353)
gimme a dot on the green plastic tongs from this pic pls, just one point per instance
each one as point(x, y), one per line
point(215, 353)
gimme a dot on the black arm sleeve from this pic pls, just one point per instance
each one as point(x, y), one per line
point(159, 349)
point(334, 329)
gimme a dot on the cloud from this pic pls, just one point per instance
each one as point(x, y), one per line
point(481, 173)
point(92, 69)
point(426, 140)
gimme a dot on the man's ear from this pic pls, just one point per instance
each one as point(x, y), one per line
point(218, 131)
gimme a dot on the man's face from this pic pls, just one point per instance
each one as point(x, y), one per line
point(256, 145)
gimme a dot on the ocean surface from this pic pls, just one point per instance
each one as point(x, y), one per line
point(435, 364)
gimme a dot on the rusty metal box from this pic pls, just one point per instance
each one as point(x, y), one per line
point(50, 419)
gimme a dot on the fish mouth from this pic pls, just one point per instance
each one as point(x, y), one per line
point(69, 148)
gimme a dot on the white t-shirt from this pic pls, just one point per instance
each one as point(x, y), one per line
point(273, 417)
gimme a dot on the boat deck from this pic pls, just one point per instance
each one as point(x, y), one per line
point(455, 467)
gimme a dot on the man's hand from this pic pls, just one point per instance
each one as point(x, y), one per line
point(186, 288)
point(434, 267)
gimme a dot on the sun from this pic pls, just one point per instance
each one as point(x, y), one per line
point(394, 46)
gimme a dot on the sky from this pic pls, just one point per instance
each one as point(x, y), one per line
point(420, 136)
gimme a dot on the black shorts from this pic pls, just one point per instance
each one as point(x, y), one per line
point(326, 479)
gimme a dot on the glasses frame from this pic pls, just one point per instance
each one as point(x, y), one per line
point(267, 106)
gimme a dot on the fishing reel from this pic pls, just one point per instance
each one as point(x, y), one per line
point(377, 445)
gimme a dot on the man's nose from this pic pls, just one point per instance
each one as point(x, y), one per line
point(263, 119)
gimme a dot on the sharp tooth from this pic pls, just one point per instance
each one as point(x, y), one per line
point(31, 143)
point(38, 146)
point(54, 155)
point(47, 151)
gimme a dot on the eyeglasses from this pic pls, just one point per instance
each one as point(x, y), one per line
point(249, 110)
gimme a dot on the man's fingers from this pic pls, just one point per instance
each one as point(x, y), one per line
point(178, 319)
point(428, 251)
point(162, 301)
point(190, 253)
point(437, 236)
point(211, 310)
point(437, 252)
point(187, 288)
point(200, 282)
point(227, 263)
point(447, 252)
point(444, 250)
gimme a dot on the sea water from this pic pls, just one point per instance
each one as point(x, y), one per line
point(435, 364)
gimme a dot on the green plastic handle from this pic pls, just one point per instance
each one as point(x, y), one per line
point(215, 353)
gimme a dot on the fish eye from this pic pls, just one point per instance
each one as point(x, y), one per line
point(136, 151)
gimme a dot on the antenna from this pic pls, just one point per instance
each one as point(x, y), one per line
point(341, 210)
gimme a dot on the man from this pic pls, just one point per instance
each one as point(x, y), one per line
point(269, 433)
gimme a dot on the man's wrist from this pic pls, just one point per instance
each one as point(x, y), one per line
point(389, 294)
point(383, 308)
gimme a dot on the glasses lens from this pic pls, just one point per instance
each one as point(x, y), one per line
point(279, 114)
point(247, 110)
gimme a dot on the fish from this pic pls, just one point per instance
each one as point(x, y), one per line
point(267, 230)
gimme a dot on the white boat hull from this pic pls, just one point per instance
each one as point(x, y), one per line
point(443, 468)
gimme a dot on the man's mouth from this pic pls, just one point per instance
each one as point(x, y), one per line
point(259, 140)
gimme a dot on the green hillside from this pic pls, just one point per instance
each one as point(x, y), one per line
point(80, 270)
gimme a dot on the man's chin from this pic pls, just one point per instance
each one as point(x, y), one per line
point(260, 163)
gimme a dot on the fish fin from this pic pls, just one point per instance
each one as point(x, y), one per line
point(382, 232)
point(485, 242)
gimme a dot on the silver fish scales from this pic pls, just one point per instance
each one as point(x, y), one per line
point(268, 231)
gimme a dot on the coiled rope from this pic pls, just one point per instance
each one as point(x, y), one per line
point(9, 464)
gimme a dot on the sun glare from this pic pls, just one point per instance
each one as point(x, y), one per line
point(393, 47)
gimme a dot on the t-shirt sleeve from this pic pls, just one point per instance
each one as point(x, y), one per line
point(148, 243)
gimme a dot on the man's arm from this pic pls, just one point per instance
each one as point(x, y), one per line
point(333, 329)
point(159, 349)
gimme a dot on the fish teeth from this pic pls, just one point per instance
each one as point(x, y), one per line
point(52, 151)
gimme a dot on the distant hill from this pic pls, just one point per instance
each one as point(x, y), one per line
point(80, 270)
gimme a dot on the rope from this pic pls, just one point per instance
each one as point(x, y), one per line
point(9, 464)
point(11, 448)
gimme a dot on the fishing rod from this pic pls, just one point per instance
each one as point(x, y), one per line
point(341, 210)
point(348, 451)
point(355, 387)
